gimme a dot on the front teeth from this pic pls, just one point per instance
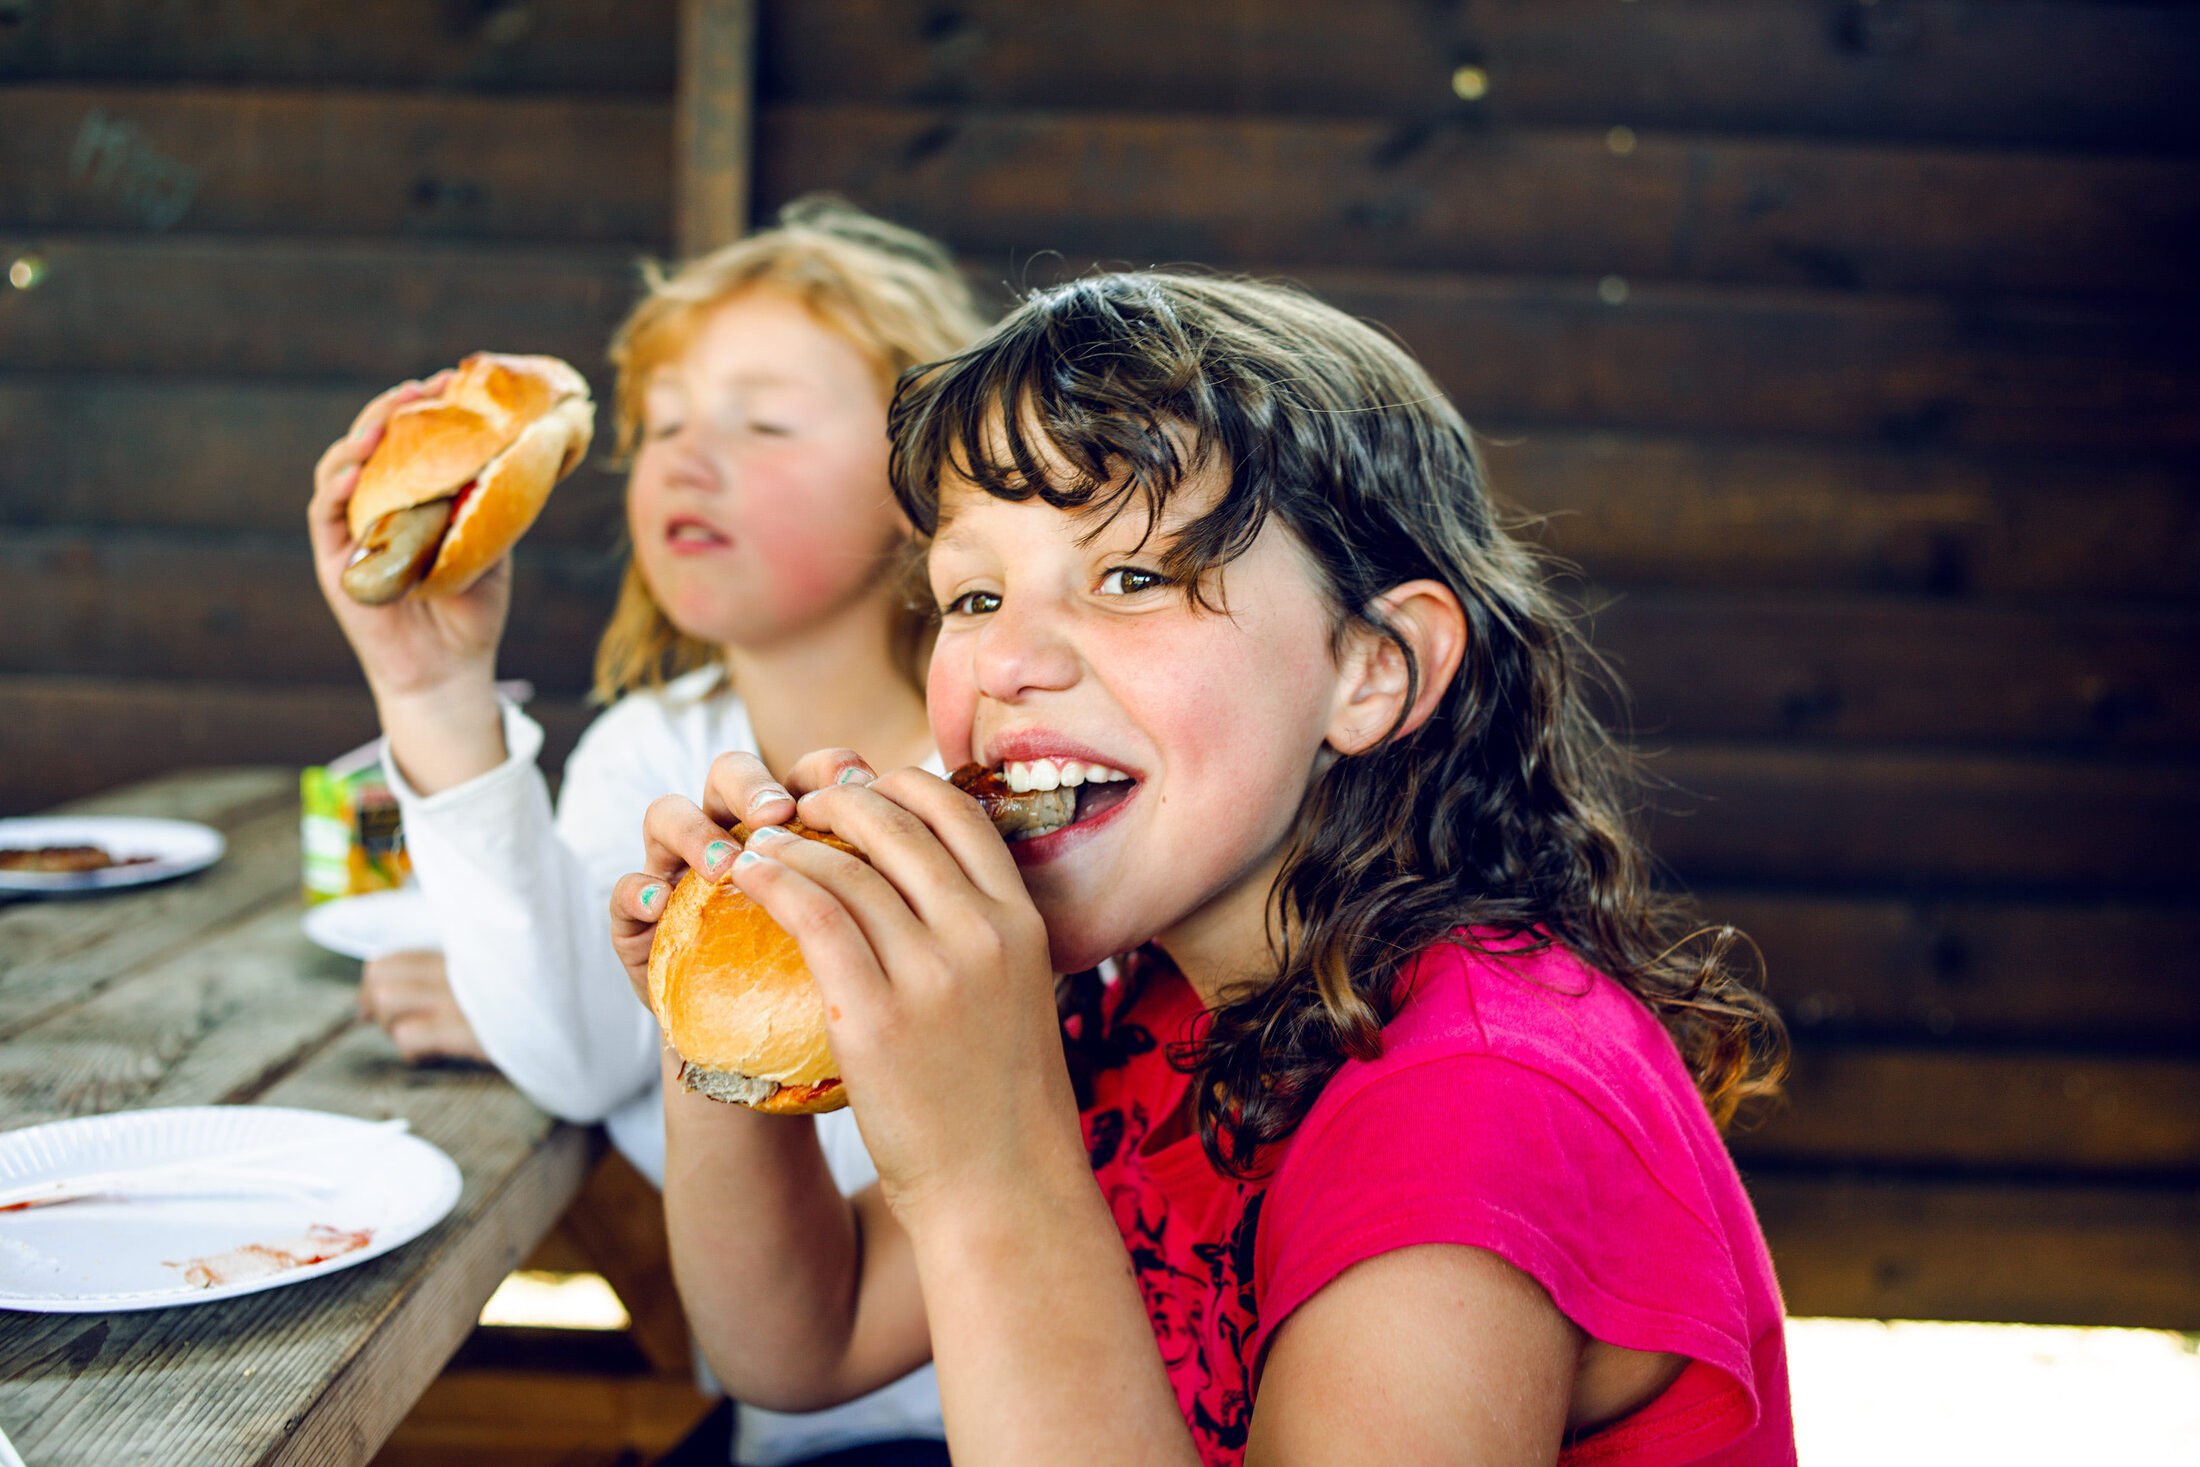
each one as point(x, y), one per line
point(1050, 774)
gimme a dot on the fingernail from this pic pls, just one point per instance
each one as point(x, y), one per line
point(746, 858)
point(854, 775)
point(650, 894)
point(769, 832)
point(715, 854)
point(767, 795)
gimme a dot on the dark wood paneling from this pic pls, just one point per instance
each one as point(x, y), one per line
point(1983, 71)
point(1902, 369)
point(1906, 1248)
point(293, 162)
point(2032, 1111)
point(1904, 670)
point(160, 453)
point(2086, 974)
point(1293, 193)
point(304, 309)
point(1906, 371)
point(1700, 668)
point(1631, 510)
point(237, 609)
point(1705, 512)
point(1740, 813)
point(62, 737)
point(542, 45)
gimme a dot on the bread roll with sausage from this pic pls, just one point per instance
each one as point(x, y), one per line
point(458, 477)
point(735, 1000)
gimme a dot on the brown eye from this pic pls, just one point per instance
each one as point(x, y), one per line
point(972, 603)
point(1127, 580)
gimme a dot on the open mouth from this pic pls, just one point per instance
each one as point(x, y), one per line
point(1054, 794)
point(692, 535)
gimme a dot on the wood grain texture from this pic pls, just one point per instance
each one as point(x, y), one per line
point(1632, 510)
point(617, 1224)
point(304, 309)
point(250, 1011)
point(1903, 670)
point(212, 1024)
point(1912, 372)
point(1899, 370)
point(713, 124)
point(250, 611)
point(593, 46)
point(292, 162)
point(476, 1417)
point(62, 737)
point(1872, 820)
point(1971, 71)
point(1895, 1247)
point(1706, 512)
point(2025, 1111)
point(53, 955)
point(1296, 193)
point(219, 455)
point(334, 1361)
point(529, 1169)
point(2087, 975)
point(1852, 669)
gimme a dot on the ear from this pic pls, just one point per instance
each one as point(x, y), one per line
point(1371, 693)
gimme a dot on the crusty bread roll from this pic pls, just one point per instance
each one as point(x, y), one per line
point(732, 994)
point(500, 436)
point(736, 1002)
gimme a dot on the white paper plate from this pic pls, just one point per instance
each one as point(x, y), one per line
point(176, 846)
point(116, 1253)
point(374, 923)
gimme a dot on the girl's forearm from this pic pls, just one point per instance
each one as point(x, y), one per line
point(444, 736)
point(767, 1253)
point(1042, 1342)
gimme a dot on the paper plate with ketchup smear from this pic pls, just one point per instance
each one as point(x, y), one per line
point(283, 1196)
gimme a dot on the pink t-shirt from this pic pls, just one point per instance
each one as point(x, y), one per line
point(1522, 1104)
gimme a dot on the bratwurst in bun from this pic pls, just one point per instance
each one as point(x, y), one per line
point(730, 989)
point(458, 478)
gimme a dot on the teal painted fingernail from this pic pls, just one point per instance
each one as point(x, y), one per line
point(769, 832)
point(765, 797)
point(747, 858)
point(650, 895)
point(852, 774)
point(714, 855)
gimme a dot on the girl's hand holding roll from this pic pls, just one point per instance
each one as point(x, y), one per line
point(430, 662)
point(929, 957)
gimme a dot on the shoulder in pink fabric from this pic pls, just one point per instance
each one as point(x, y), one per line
point(1530, 1106)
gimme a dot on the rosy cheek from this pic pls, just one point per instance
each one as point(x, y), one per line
point(951, 705)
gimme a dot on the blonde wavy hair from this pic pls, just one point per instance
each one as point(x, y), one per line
point(894, 294)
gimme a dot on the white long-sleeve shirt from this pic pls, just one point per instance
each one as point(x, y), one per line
point(522, 903)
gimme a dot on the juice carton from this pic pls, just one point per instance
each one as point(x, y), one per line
point(349, 829)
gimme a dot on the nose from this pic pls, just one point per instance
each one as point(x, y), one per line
point(1021, 652)
point(684, 462)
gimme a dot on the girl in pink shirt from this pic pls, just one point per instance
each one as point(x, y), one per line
point(1393, 1137)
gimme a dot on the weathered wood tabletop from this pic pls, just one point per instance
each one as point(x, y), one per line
point(205, 991)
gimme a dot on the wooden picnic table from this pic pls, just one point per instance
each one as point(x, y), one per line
point(205, 991)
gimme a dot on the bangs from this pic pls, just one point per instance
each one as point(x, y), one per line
point(1097, 399)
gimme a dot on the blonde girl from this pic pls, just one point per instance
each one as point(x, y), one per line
point(765, 607)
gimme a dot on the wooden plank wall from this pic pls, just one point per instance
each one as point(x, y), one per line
point(1847, 348)
point(229, 227)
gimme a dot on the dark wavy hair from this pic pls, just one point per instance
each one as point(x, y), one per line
point(1506, 812)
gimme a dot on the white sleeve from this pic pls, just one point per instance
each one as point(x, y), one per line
point(522, 903)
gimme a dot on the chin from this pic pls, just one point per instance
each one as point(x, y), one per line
point(1073, 951)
